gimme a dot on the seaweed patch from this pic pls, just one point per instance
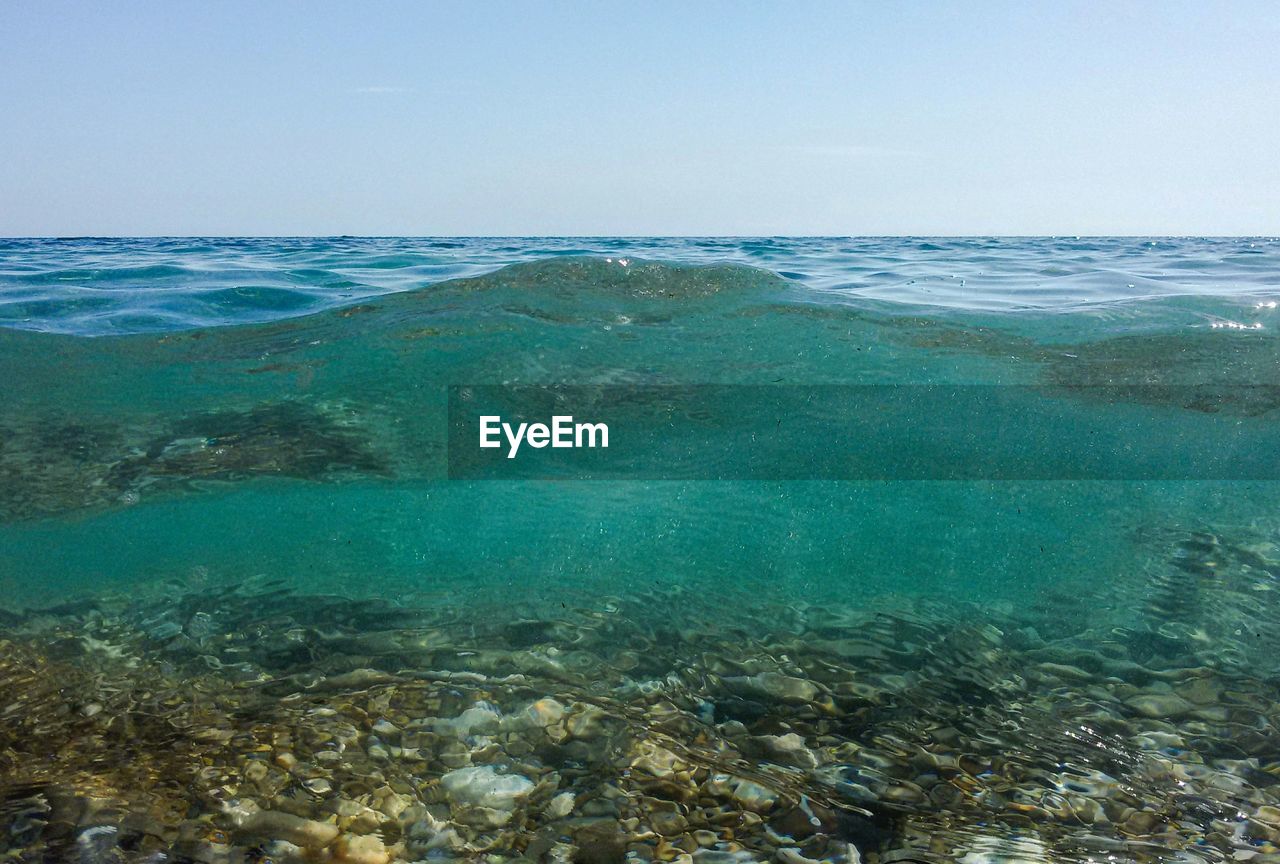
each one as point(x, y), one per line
point(52, 465)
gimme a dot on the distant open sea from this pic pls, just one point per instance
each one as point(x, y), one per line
point(93, 286)
point(903, 550)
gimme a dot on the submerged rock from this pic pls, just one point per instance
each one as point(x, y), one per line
point(774, 685)
point(1159, 705)
point(483, 796)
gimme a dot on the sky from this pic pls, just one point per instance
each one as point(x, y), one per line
point(639, 118)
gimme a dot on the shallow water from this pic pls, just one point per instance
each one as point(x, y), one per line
point(236, 533)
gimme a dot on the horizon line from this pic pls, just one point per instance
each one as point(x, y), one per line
point(999, 236)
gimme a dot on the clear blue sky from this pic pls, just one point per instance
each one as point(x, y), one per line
point(967, 117)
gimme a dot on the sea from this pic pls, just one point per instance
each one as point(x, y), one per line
point(901, 550)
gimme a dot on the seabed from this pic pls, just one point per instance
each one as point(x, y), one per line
point(224, 723)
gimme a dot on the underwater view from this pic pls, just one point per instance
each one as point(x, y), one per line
point(899, 550)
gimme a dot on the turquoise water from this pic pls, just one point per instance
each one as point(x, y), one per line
point(227, 506)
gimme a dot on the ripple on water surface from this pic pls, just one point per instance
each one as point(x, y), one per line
point(164, 284)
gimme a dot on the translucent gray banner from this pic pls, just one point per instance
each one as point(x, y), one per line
point(864, 432)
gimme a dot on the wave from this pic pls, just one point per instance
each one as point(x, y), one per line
point(164, 284)
point(359, 391)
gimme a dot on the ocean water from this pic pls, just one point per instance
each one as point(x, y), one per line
point(903, 549)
